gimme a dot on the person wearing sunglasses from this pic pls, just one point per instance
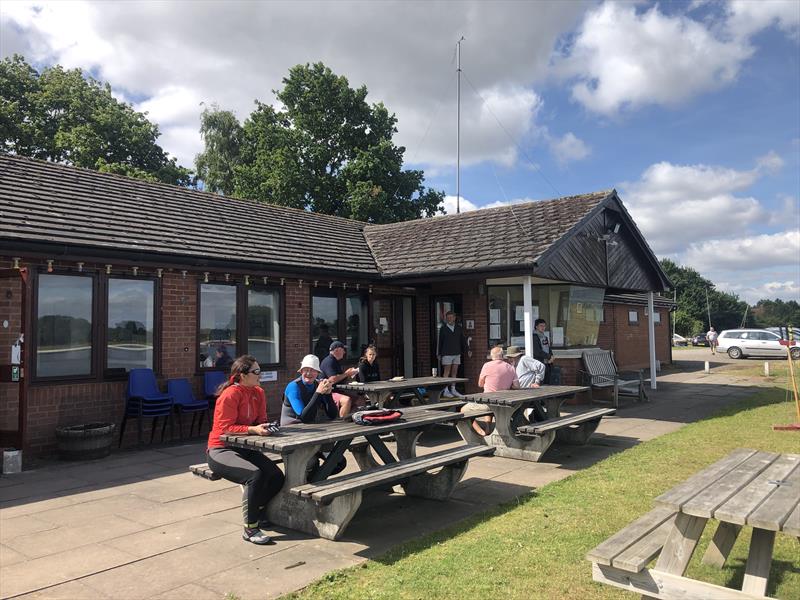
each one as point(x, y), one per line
point(242, 409)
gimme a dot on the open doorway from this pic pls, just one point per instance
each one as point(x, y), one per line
point(441, 305)
point(393, 331)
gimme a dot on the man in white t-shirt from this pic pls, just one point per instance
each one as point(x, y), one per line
point(711, 336)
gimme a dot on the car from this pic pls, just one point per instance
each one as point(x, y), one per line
point(700, 340)
point(739, 343)
point(679, 340)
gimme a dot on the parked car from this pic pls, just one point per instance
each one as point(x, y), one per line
point(679, 340)
point(700, 340)
point(739, 343)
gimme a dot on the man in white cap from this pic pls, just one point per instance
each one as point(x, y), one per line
point(308, 399)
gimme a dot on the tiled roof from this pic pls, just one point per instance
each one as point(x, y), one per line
point(47, 202)
point(495, 238)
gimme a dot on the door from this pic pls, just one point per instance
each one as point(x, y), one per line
point(393, 334)
point(441, 305)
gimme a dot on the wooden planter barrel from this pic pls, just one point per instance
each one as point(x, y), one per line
point(85, 442)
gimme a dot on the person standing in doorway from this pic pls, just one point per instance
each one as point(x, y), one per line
point(541, 348)
point(452, 344)
point(711, 336)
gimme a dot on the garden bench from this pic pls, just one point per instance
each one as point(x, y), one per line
point(575, 428)
point(204, 471)
point(600, 372)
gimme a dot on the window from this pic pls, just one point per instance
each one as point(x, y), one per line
point(131, 324)
point(657, 317)
point(573, 314)
point(339, 316)
point(217, 335)
point(633, 317)
point(263, 325)
point(64, 328)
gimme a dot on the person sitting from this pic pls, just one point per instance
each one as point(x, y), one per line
point(496, 375)
point(368, 370)
point(242, 409)
point(222, 359)
point(530, 372)
point(307, 399)
point(332, 369)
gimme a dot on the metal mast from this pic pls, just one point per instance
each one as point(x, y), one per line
point(458, 127)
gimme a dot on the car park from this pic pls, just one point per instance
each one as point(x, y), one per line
point(679, 340)
point(700, 340)
point(740, 343)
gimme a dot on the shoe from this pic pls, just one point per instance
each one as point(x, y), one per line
point(256, 536)
point(456, 394)
point(446, 393)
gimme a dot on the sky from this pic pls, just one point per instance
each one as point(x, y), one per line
point(690, 110)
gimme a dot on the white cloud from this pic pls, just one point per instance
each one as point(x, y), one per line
point(746, 17)
point(746, 253)
point(625, 59)
point(234, 52)
point(464, 205)
point(753, 290)
point(569, 148)
point(676, 205)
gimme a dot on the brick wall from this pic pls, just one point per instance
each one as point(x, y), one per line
point(10, 295)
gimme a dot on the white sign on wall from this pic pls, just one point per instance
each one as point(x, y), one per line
point(268, 376)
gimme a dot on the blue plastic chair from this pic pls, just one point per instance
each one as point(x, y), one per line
point(184, 401)
point(211, 382)
point(145, 400)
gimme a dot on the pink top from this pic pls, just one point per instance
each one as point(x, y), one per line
point(497, 375)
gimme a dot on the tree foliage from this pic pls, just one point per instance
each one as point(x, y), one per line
point(777, 313)
point(65, 116)
point(325, 149)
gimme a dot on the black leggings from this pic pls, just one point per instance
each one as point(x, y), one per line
point(261, 478)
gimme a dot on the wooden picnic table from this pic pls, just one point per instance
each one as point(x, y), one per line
point(381, 391)
point(312, 502)
point(747, 487)
point(512, 437)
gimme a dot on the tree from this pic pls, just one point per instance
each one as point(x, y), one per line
point(696, 297)
point(65, 116)
point(326, 150)
point(776, 313)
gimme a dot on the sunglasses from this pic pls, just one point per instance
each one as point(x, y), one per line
point(252, 372)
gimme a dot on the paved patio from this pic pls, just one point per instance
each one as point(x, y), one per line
point(139, 525)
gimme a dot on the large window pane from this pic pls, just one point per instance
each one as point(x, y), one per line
point(263, 326)
point(505, 318)
point(357, 335)
point(217, 333)
point(324, 323)
point(64, 326)
point(130, 324)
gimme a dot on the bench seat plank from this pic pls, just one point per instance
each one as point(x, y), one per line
point(607, 551)
point(331, 488)
point(204, 471)
point(561, 422)
point(638, 555)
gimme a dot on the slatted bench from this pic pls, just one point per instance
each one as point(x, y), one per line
point(633, 547)
point(204, 471)
point(410, 473)
point(572, 429)
point(600, 372)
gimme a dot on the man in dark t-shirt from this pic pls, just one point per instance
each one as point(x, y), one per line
point(332, 370)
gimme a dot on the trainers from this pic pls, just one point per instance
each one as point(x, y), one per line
point(456, 394)
point(256, 536)
point(446, 393)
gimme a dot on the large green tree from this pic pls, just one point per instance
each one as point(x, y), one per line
point(776, 313)
point(324, 149)
point(697, 296)
point(65, 116)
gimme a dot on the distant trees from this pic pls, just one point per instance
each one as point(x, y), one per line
point(774, 313)
point(64, 116)
point(325, 149)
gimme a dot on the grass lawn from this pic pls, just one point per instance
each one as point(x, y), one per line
point(535, 547)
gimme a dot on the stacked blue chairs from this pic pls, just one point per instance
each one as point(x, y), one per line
point(212, 381)
point(185, 402)
point(144, 400)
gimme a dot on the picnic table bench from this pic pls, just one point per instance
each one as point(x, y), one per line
point(747, 487)
point(515, 436)
point(381, 391)
point(314, 502)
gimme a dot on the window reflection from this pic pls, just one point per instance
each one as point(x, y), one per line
point(64, 326)
point(217, 335)
point(357, 335)
point(263, 326)
point(324, 323)
point(130, 324)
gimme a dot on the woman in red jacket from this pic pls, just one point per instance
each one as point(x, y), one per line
point(242, 409)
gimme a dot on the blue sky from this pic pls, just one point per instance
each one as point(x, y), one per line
point(691, 110)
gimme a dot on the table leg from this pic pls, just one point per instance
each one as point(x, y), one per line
point(382, 398)
point(434, 394)
point(680, 544)
point(721, 544)
point(759, 560)
point(504, 437)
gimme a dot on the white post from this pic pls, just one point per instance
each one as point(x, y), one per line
point(707, 368)
point(766, 368)
point(527, 301)
point(651, 335)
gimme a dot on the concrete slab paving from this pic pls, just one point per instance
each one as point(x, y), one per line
point(138, 525)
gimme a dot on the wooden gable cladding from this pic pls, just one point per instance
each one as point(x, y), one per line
point(578, 257)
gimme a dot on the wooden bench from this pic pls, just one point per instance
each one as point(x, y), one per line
point(633, 547)
point(407, 472)
point(204, 471)
point(600, 372)
point(572, 429)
